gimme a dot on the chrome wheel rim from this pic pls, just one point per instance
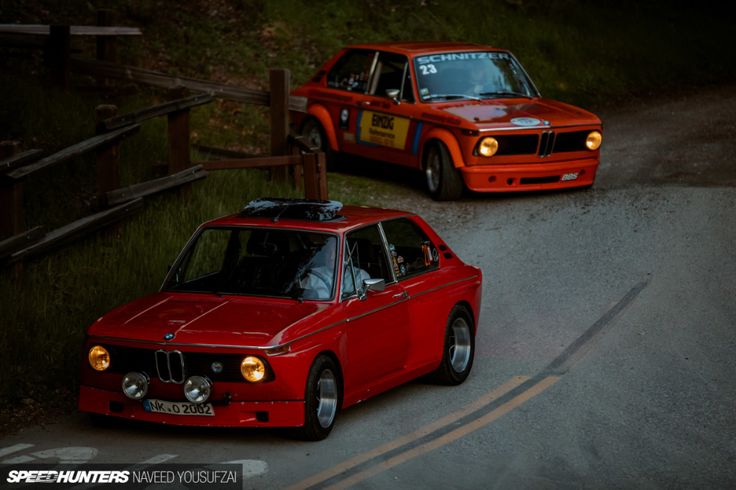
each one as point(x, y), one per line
point(326, 398)
point(433, 171)
point(460, 345)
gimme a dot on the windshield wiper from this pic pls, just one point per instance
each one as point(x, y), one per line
point(502, 95)
point(449, 96)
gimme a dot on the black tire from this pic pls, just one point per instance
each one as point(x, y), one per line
point(314, 135)
point(443, 180)
point(322, 399)
point(459, 348)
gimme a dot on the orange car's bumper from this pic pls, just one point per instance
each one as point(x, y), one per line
point(530, 177)
point(230, 414)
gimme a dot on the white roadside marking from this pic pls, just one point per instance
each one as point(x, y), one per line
point(14, 449)
point(19, 460)
point(68, 455)
point(158, 459)
point(251, 467)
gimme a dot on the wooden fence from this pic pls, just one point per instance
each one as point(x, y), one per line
point(112, 202)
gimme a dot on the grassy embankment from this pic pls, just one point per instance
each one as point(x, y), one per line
point(591, 55)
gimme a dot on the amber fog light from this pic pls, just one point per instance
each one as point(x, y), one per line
point(135, 385)
point(594, 140)
point(253, 369)
point(488, 146)
point(197, 389)
point(99, 358)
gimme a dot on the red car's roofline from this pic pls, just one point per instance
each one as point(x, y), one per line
point(350, 217)
point(422, 47)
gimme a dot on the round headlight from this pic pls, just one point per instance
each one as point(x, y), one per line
point(135, 385)
point(253, 369)
point(594, 139)
point(99, 358)
point(197, 389)
point(488, 146)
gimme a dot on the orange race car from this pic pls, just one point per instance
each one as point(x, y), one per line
point(466, 114)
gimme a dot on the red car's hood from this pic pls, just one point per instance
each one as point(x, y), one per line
point(203, 319)
point(521, 113)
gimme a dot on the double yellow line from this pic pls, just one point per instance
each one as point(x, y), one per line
point(490, 407)
point(412, 452)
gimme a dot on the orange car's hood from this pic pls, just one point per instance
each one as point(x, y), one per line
point(204, 319)
point(521, 113)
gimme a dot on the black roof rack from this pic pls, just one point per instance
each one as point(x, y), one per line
point(279, 207)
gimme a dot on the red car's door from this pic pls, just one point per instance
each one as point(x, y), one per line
point(378, 321)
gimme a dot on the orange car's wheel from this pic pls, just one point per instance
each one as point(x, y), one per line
point(315, 136)
point(322, 399)
point(459, 350)
point(444, 181)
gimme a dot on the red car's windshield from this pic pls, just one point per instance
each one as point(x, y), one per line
point(258, 261)
point(471, 75)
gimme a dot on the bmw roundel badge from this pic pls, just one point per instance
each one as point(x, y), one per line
point(169, 336)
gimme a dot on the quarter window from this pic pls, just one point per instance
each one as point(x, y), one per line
point(351, 72)
point(411, 250)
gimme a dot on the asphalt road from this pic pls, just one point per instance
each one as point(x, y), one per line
point(605, 352)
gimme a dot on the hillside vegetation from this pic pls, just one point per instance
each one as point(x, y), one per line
point(596, 55)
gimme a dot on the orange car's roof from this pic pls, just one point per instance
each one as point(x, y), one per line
point(350, 217)
point(418, 47)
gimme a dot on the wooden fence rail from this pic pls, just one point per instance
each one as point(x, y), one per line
point(114, 203)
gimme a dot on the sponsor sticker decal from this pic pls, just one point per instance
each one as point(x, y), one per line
point(525, 121)
point(384, 129)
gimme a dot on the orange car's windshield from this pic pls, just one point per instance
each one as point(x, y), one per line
point(471, 75)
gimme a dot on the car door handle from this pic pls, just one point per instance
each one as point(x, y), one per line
point(401, 295)
point(364, 103)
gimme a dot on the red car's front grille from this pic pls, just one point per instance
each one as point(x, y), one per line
point(174, 366)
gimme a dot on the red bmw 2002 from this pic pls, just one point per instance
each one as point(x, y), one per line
point(282, 315)
point(467, 115)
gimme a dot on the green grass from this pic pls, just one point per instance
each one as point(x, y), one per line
point(46, 308)
point(596, 55)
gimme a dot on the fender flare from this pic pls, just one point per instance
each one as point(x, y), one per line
point(450, 142)
point(319, 112)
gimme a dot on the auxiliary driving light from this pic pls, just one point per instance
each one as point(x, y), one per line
point(593, 141)
point(99, 358)
point(488, 146)
point(135, 385)
point(197, 389)
point(253, 369)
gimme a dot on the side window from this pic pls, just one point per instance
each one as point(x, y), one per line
point(411, 250)
point(351, 72)
point(392, 73)
point(365, 258)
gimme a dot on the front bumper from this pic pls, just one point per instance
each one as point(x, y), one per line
point(227, 414)
point(529, 177)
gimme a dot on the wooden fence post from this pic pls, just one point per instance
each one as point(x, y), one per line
point(56, 55)
point(11, 197)
point(178, 133)
point(279, 80)
point(105, 45)
point(108, 158)
point(321, 176)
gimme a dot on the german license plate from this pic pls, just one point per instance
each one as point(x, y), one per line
point(178, 408)
point(570, 176)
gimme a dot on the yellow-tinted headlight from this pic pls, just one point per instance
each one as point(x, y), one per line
point(488, 146)
point(99, 358)
point(594, 139)
point(253, 369)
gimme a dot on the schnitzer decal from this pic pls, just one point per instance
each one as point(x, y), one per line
point(383, 129)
